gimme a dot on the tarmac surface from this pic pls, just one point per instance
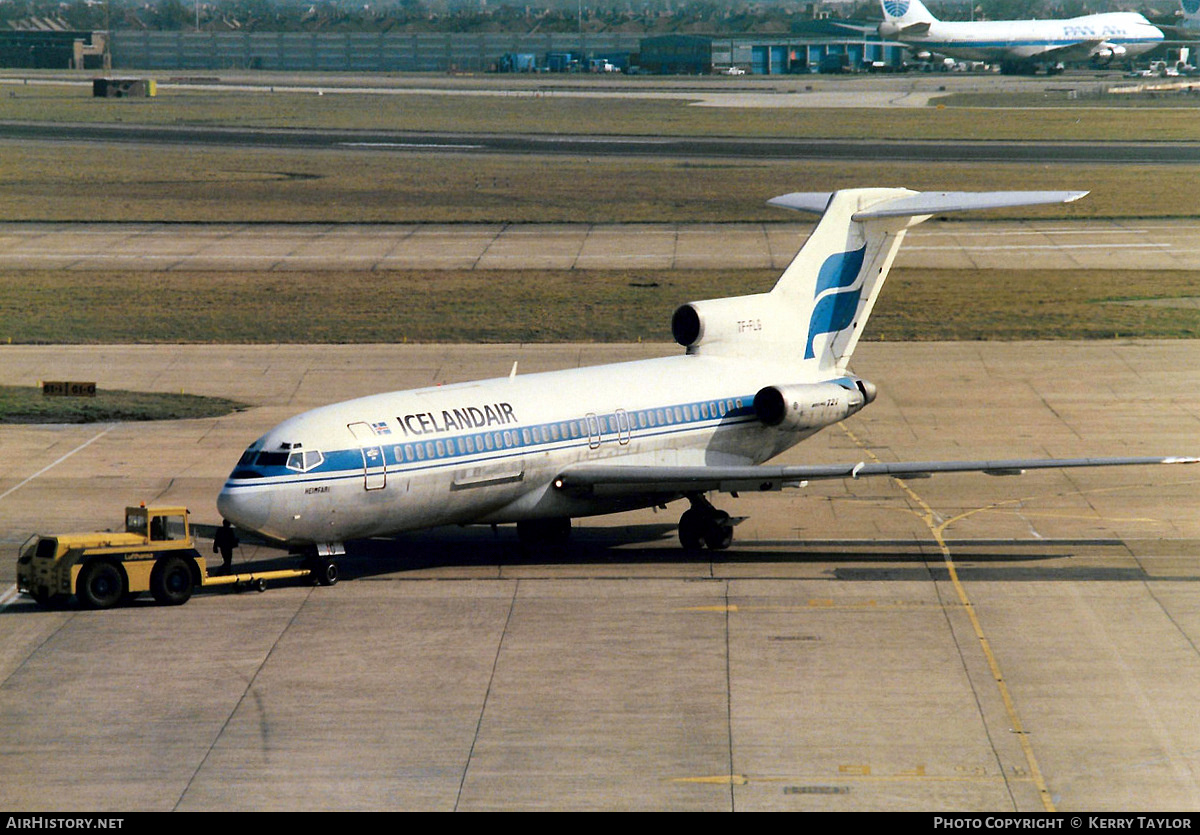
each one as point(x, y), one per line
point(1036, 152)
point(1049, 244)
point(960, 643)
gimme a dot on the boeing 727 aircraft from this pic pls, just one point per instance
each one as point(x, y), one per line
point(759, 374)
point(1021, 45)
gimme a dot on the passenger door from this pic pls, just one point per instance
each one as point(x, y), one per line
point(374, 462)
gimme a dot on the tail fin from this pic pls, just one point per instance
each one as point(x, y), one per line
point(819, 307)
point(906, 13)
point(832, 284)
point(1191, 15)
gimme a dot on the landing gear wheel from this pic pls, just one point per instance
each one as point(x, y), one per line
point(691, 530)
point(702, 525)
point(171, 581)
point(101, 585)
point(718, 534)
point(326, 572)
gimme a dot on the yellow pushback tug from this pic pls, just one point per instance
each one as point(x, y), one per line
point(156, 553)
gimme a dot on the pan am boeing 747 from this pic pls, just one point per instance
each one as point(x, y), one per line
point(759, 374)
point(1021, 45)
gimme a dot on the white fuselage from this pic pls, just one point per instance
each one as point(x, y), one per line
point(1023, 40)
point(488, 451)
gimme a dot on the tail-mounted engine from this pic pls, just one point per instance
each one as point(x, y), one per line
point(812, 405)
point(735, 323)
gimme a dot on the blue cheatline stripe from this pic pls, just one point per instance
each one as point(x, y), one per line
point(456, 451)
point(935, 46)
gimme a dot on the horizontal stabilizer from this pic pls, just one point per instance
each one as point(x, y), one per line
point(616, 479)
point(929, 202)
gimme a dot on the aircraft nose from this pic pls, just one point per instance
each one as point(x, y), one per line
point(247, 509)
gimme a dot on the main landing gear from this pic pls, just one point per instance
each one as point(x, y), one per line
point(703, 525)
point(323, 570)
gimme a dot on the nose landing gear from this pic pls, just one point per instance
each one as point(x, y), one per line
point(702, 525)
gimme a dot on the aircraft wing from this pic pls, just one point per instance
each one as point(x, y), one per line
point(1078, 51)
point(625, 480)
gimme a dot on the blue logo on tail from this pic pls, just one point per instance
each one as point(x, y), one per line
point(896, 8)
point(835, 311)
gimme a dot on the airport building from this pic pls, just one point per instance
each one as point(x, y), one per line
point(55, 49)
point(824, 46)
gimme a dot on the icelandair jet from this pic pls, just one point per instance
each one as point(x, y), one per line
point(1021, 45)
point(759, 374)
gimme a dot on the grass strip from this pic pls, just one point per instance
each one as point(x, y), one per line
point(24, 404)
point(1091, 116)
point(96, 182)
point(76, 307)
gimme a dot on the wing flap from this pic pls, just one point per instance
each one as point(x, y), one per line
point(626, 480)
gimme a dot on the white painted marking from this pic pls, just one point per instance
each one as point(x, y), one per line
point(44, 469)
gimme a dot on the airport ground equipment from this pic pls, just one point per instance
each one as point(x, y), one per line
point(156, 553)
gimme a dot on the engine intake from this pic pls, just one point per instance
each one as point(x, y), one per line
point(812, 405)
point(739, 323)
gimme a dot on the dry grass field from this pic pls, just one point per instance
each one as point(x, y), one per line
point(562, 306)
point(60, 181)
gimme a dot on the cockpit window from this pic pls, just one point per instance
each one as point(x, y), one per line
point(305, 461)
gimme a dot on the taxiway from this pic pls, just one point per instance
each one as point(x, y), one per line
point(960, 643)
point(1048, 244)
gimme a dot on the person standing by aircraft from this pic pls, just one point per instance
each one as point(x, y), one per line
point(225, 540)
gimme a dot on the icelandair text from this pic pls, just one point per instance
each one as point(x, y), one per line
point(471, 417)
